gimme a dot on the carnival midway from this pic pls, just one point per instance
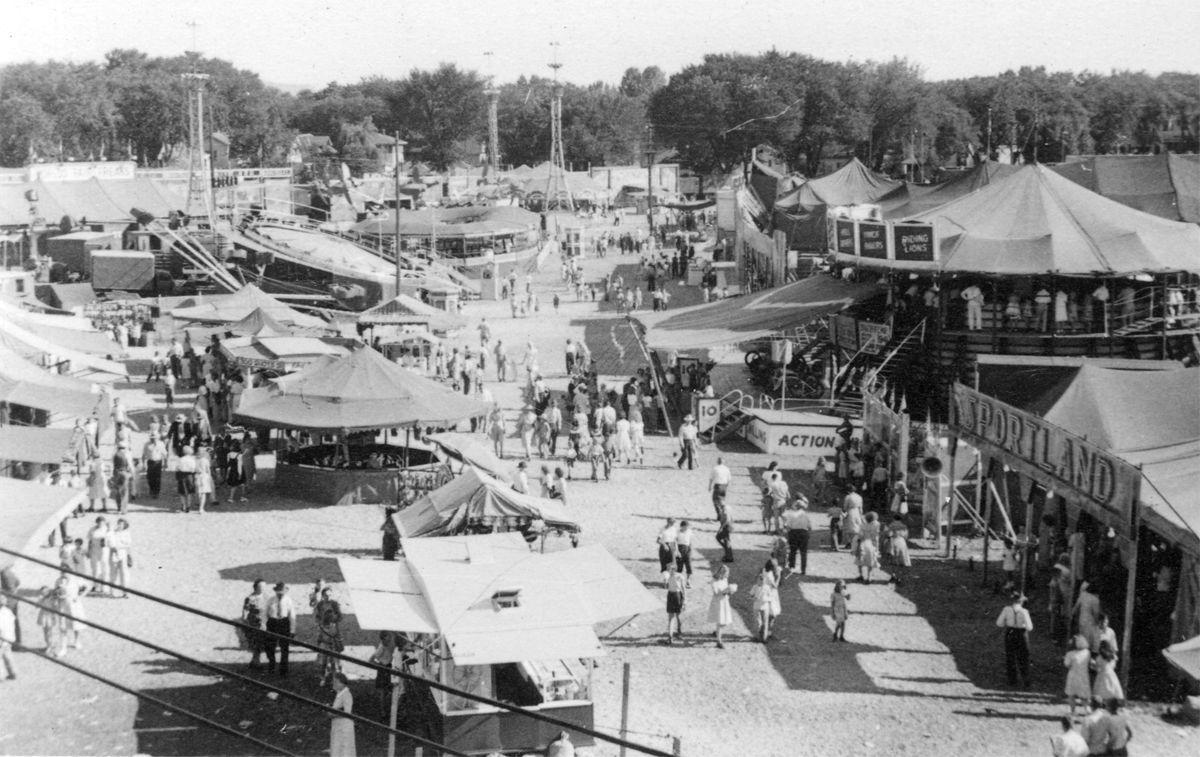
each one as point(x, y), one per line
point(873, 453)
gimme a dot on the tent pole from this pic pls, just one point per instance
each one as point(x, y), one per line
point(1130, 589)
point(987, 514)
point(953, 495)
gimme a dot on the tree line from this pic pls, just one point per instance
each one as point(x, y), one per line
point(710, 115)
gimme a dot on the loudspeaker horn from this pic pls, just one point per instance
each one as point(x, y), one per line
point(931, 466)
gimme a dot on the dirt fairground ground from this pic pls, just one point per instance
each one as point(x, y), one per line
point(921, 674)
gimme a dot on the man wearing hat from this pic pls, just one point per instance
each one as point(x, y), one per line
point(798, 529)
point(521, 480)
point(154, 455)
point(1017, 624)
point(185, 478)
point(688, 437)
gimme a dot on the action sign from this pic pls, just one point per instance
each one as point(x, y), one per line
point(914, 242)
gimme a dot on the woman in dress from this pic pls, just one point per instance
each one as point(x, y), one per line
point(624, 444)
point(637, 433)
point(839, 610)
point(119, 544)
point(1107, 685)
point(97, 484)
point(495, 430)
point(233, 470)
point(341, 729)
point(204, 478)
point(719, 610)
point(1077, 661)
point(898, 549)
point(867, 554)
point(766, 601)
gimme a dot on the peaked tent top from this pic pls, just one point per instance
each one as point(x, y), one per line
point(406, 309)
point(361, 390)
point(852, 184)
point(235, 307)
point(1037, 222)
point(922, 199)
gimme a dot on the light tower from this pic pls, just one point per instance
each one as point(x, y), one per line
point(558, 192)
point(492, 169)
point(199, 198)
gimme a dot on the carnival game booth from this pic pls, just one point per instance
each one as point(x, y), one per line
point(476, 503)
point(487, 616)
point(1116, 458)
point(1029, 264)
point(350, 400)
point(387, 318)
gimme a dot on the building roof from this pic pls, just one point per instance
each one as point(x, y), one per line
point(403, 309)
point(449, 583)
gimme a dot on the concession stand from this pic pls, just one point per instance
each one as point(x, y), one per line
point(351, 399)
point(1116, 456)
point(485, 615)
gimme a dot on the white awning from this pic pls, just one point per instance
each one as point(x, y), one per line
point(609, 589)
point(29, 512)
point(494, 647)
point(385, 596)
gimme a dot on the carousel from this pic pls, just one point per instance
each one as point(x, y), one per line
point(340, 420)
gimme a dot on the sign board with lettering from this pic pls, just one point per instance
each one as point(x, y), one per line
point(914, 242)
point(708, 412)
point(873, 239)
point(843, 332)
point(845, 238)
point(117, 169)
point(1105, 485)
point(795, 434)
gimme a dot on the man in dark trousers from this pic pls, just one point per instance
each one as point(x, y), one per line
point(798, 528)
point(1017, 624)
point(725, 537)
point(281, 619)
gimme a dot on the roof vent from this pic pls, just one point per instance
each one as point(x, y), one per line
point(507, 598)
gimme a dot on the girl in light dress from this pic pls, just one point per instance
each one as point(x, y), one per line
point(637, 433)
point(719, 610)
point(120, 542)
point(898, 550)
point(204, 478)
point(1076, 661)
point(839, 610)
point(624, 446)
point(97, 484)
point(766, 599)
point(1107, 685)
point(341, 729)
point(867, 552)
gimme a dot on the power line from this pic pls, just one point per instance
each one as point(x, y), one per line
point(534, 714)
point(240, 677)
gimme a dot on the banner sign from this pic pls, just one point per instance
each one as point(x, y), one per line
point(845, 237)
point(872, 239)
point(901, 241)
point(914, 242)
point(1051, 455)
point(843, 332)
point(873, 337)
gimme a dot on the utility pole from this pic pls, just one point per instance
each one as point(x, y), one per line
point(396, 213)
point(988, 156)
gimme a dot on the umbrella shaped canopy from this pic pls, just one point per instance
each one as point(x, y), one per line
point(361, 390)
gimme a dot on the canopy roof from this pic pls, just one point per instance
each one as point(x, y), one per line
point(1152, 419)
point(360, 390)
point(23, 383)
point(62, 330)
point(33, 444)
point(448, 583)
point(852, 184)
point(30, 511)
point(1166, 185)
point(35, 344)
point(741, 319)
point(405, 309)
point(1036, 222)
point(477, 498)
point(921, 199)
point(468, 449)
point(235, 307)
point(1185, 655)
point(282, 353)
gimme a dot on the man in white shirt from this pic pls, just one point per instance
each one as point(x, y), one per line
point(683, 548)
point(281, 619)
point(1070, 743)
point(667, 546)
point(1017, 624)
point(718, 484)
point(798, 528)
point(521, 480)
point(8, 637)
point(688, 435)
point(974, 297)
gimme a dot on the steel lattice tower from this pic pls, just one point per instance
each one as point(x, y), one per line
point(558, 192)
point(199, 198)
point(493, 146)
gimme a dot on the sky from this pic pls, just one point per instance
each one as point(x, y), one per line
point(309, 43)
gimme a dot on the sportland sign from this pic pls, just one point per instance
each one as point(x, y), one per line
point(1050, 455)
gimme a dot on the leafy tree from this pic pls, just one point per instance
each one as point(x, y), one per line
point(26, 128)
point(642, 83)
point(438, 109)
